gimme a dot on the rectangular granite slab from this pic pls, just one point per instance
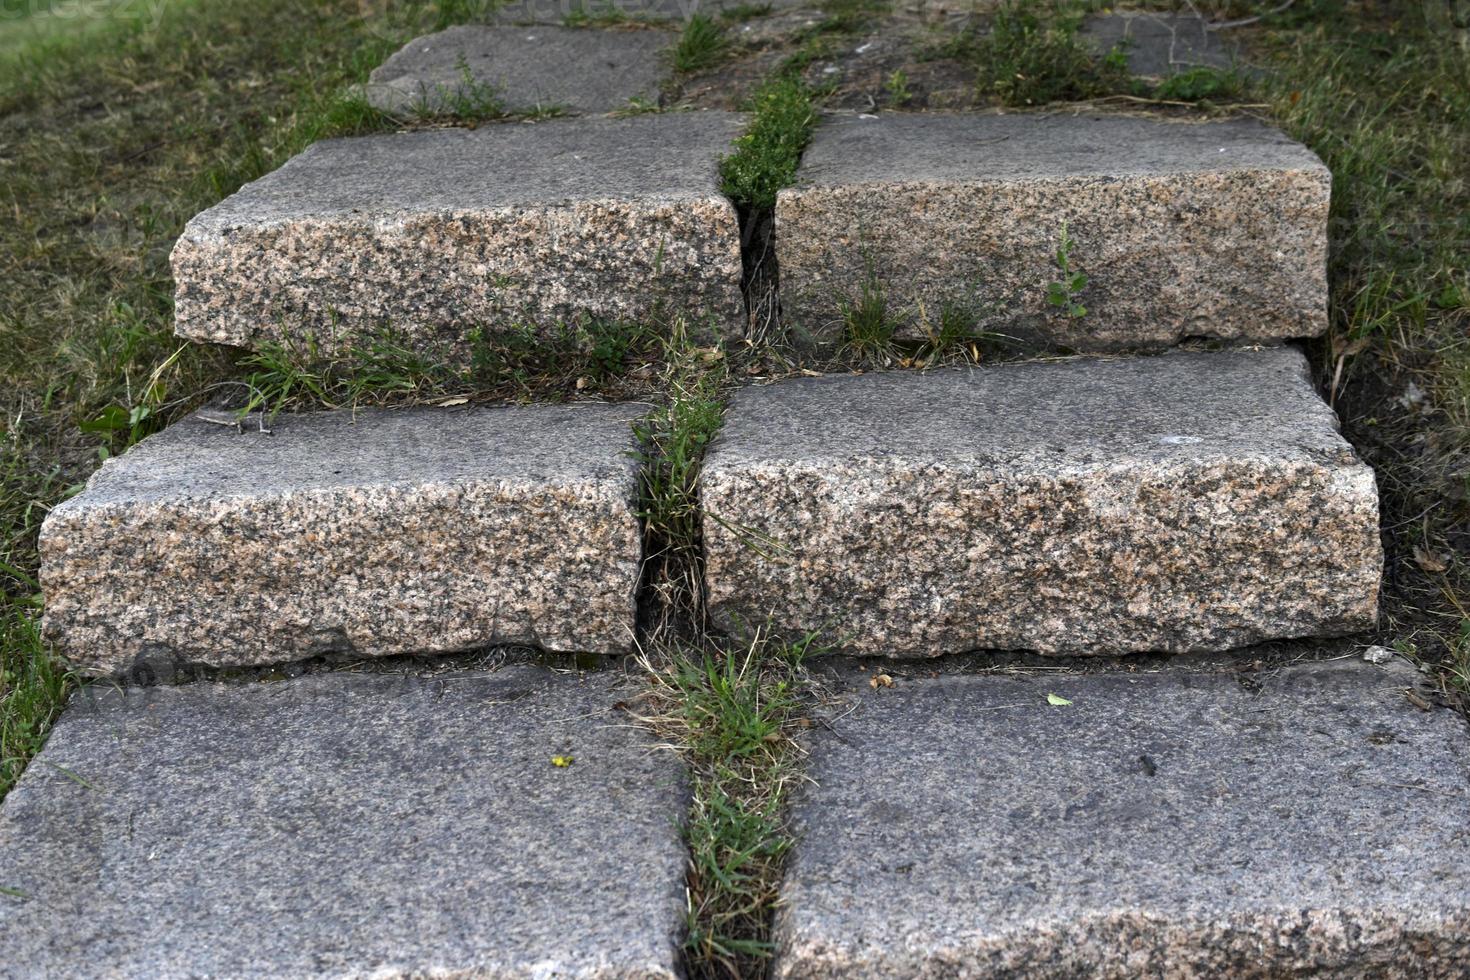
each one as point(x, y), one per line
point(1214, 229)
point(347, 825)
point(523, 69)
point(442, 234)
point(384, 532)
point(1190, 501)
point(1307, 821)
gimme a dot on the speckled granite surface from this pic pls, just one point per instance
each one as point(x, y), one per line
point(1191, 501)
point(578, 69)
point(1311, 822)
point(440, 232)
point(417, 530)
point(1183, 229)
point(346, 825)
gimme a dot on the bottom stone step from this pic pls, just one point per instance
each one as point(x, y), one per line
point(346, 825)
point(1306, 821)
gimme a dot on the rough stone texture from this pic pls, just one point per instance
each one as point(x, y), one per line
point(419, 530)
point(560, 11)
point(524, 69)
point(1192, 501)
point(441, 232)
point(1307, 823)
point(346, 825)
point(1160, 44)
point(1184, 229)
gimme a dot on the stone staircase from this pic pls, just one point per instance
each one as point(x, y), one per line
point(1192, 817)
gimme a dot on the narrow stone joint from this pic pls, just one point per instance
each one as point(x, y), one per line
point(760, 278)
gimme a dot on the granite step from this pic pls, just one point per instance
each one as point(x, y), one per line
point(347, 825)
point(1189, 501)
point(631, 11)
point(1306, 821)
point(1183, 229)
point(522, 70)
point(428, 530)
point(437, 235)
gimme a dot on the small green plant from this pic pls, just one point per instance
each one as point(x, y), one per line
point(470, 100)
point(1064, 292)
point(1202, 85)
point(897, 87)
point(1033, 55)
point(766, 156)
point(867, 328)
point(639, 106)
point(702, 45)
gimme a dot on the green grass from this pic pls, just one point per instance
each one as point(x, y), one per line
point(767, 154)
point(1033, 54)
point(734, 711)
point(702, 45)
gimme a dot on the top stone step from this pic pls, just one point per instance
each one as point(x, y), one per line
point(1212, 229)
point(440, 233)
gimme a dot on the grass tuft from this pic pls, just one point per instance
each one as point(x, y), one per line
point(1033, 55)
point(733, 712)
point(702, 45)
point(767, 155)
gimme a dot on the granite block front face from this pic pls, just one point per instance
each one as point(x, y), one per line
point(439, 234)
point(1191, 501)
point(523, 69)
point(1310, 822)
point(346, 825)
point(1182, 229)
point(409, 531)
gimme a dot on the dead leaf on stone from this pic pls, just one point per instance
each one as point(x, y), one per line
point(562, 761)
point(451, 402)
point(1056, 700)
point(1429, 561)
point(880, 680)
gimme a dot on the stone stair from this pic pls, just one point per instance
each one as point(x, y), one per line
point(1231, 817)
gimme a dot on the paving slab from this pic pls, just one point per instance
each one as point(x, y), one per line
point(1183, 229)
point(1189, 501)
point(1160, 44)
point(1304, 822)
point(523, 69)
point(655, 11)
point(368, 534)
point(346, 825)
point(438, 235)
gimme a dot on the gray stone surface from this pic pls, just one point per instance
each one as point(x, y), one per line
point(442, 232)
point(1212, 229)
point(523, 69)
point(1310, 822)
point(346, 825)
point(1159, 44)
point(1191, 501)
point(415, 530)
point(563, 11)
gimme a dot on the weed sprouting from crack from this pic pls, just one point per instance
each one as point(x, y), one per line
point(733, 711)
point(702, 45)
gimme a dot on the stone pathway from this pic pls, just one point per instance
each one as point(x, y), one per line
point(440, 232)
point(1311, 821)
point(354, 533)
point(1183, 229)
point(1128, 820)
point(346, 825)
point(523, 70)
point(1183, 502)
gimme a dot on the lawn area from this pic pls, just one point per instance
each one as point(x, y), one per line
point(116, 128)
